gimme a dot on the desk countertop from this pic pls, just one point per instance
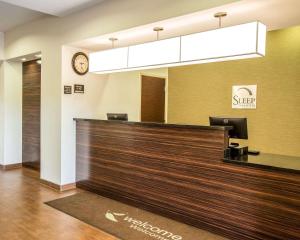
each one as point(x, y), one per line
point(268, 161)
point(223, 128)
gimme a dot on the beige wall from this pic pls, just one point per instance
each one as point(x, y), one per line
point(10, 113)
point(122, 92)
point(199, 91)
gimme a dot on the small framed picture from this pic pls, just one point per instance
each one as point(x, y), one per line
point(78, 88)
point(67, 89)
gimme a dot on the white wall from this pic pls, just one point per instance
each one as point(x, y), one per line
point(1, 99)
point(1, 112)
point(118, 92)
point(103, 93)
point(1, 46)
point(75, 105)
point(47, 35)
point(11, 113)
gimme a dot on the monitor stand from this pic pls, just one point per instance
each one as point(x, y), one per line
point(244, 149)
point(236, 150)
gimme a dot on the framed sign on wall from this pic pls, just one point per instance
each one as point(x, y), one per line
point(67, 89)
point(244, 97)
point(78, 88)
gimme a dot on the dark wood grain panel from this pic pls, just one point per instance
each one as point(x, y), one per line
point(178, 172)
point(31, 114)
point(153, 99)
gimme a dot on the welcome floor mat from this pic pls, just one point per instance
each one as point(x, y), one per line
point(126, 222)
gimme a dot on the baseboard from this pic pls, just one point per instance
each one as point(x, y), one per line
point(60, 188)
point(67, 187)
point(10, 166)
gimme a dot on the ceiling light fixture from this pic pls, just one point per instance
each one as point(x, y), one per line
point(220, 15)
point(158, 30)
point(23, 59)
point(113, 40)
point(223, 44)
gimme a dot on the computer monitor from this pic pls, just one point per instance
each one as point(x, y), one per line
point(117, 116)
point(239, 125)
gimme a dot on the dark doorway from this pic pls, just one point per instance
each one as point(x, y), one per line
point(153, 99)
point(31, 114)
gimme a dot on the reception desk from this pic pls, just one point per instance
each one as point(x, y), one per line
point(179, 171)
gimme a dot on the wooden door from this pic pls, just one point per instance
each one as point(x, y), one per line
point(153, 99)
point(31, 114)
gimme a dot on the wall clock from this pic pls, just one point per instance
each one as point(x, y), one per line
point(80, 63)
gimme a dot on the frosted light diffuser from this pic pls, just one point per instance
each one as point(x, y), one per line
point(108, 60)
point(154, 53)
point(237, 42)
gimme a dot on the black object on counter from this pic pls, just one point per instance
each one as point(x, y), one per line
point(267, 161)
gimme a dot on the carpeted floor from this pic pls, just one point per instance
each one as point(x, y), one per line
point(126, 222)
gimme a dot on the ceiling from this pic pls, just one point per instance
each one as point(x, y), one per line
point(276, 14)
point(58, 8)
point(18, 12)
point(12, 16)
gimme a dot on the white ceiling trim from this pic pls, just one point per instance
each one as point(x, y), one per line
point(275, 14)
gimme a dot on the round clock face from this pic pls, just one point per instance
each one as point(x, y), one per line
point(80, 63)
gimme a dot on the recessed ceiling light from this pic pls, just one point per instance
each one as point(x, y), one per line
point(23, 59)
point(39, 61)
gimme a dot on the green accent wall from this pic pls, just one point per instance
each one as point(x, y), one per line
point(196, 92)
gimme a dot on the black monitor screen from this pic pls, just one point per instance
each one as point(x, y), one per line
point(239, 126)
point(117, 116)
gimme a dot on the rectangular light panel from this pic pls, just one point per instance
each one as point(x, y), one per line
point(154, 53)
point(233, 41)
point(108, 60)
point(230, 43)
